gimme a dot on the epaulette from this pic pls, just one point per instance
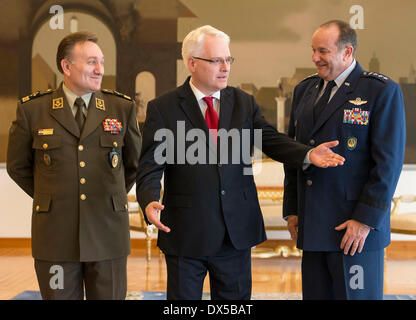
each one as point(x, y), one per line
point(315, 75)
point(116, 93)
point(375, 75)
point(35, 95)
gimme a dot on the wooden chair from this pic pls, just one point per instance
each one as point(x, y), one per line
point(404, 223)
point(137, 223)
point(271, 199)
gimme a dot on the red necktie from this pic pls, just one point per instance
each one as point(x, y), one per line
point(211, 118)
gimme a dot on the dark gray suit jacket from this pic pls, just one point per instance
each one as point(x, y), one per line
point(204, 201)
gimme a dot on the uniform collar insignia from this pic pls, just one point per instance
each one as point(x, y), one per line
point(58, 103)
point(99, 104)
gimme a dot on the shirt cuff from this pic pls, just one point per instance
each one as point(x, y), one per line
point(306, 162)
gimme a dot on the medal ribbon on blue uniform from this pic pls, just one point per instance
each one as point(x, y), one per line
point(356, 116)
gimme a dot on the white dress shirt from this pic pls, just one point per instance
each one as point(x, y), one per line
point(202, 104)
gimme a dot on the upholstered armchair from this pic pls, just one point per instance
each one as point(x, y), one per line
point(404, 223)
point(269, 176)
point(137, 223)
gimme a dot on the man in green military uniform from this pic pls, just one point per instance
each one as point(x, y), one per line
point(75, 151)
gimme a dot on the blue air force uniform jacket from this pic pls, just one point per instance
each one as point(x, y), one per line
point(366, 115)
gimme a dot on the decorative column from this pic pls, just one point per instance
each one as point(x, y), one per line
point(281, 113)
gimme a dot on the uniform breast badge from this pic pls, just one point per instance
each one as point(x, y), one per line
point(351, 143)
point(47, 159)
point(58, 103)
point(114, 157)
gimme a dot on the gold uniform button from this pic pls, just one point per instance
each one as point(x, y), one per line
point(82, 164)
point(37, 208)
point(83, 197)
point(45, 146)
point(115, 144)
point(82, 180)
point(80, 147)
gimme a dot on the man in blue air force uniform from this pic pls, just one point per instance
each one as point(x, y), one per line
point(341, 216)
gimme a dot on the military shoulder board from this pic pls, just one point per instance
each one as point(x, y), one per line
point(116, 93)
point(315, 75)
point(375, 75)
point(35, 95)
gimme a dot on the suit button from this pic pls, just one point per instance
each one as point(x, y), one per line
point(80, 147)
point(219, 165)
point(83, 197)
point(82, 180)
point(82, 164)
point(45, 146)
point(312, 142)
point(309, 182)
point(223, 192)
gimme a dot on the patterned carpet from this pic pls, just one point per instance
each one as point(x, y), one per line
point(161, 295)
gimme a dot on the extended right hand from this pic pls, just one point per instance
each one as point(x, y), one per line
point(152, 214)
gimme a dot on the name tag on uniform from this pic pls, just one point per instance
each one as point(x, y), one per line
point(45, 132)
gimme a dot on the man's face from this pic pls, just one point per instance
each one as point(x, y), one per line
point(330, 62)
point(209, 77)
point(84, 72)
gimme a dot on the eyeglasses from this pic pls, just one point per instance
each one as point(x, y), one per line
point(218, 61)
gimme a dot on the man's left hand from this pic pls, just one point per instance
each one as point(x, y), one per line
point(354, 237)
point(322, 156)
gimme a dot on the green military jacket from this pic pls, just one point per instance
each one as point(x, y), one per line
point(78, 180)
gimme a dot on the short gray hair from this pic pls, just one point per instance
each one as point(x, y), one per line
point(192, 44)
point(347, 35)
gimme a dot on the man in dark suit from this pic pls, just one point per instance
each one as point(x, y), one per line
point(75, 151)
point(341, 216)
point(211, 216)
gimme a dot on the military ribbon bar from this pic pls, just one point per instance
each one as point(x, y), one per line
point(113, 126)
point(356, 116)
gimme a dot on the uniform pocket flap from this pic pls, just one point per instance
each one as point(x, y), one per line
point(120, 202)
point(42, 202)
point(46, 142)
point(111, 141)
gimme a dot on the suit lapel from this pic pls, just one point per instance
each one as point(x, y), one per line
point(191, 108)
point(61, 111)
point(342, 95)
point(310, 98)
point(226, 109)
point(96, 114)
